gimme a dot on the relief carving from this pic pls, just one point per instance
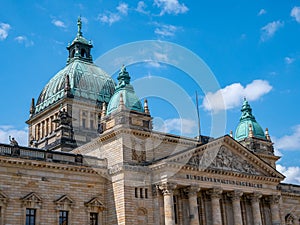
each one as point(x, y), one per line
point(225, 160)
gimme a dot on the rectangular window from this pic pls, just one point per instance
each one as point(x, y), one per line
point(93, 218)
point(175, 209)
point(91, 124)
point(83, 123)
point(146, 193)
point(30, 216)
point(63, 217)
point(136, 192)
point(141, 193)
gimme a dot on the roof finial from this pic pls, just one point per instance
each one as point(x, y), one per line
point(32, 107)
point(267, 134)
point(146, 108)
point(79, 24)
point(250, 132)
point(231, 134)
point(103, 112)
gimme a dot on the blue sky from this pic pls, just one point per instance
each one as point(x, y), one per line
point(251, 47)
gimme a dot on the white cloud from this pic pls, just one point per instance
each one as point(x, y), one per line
point(141, 7)
point(112, 17)
point(84, 20)
point(291, 173)
point(289, 60)
point(289, 142)
point(123, 8)
point(4, 28)
point(24, 40)
point(58, 23)
point(170, 7)
point(20, 135)
point(109, 18)
point(269, 30)
point(177, 125)
point(232, 95)
point(262, 12)
point(296, 13)
point(166, 30)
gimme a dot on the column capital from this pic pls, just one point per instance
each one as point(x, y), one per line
point(215, 192)
point(192, 190)
point(254, 197)
point(235, 195)
point(274, 199)
point(167, 188)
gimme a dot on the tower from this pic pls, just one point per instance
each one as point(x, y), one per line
point(68, 109)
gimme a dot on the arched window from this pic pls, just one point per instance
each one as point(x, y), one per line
point(289, 219)
point(142, 216)
point(83, 53)
point(72, 53)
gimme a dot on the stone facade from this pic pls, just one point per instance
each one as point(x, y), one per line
point(88, 165)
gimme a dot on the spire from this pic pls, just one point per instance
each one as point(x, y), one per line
point(79, 24)
point(32, 107)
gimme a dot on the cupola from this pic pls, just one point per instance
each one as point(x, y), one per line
point(248, 126)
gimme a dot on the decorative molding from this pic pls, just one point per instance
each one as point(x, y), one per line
point(3, 199)
point(255, 197)
point(215, 193)
point(32, 200)
point(64, 203)
point(167, 188)
point(235, 195)
point(94, 205)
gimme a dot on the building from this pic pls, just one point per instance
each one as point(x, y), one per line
point(94, 159)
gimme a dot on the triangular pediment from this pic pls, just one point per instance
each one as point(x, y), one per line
point(32, 197)
point(32, 200)
point(95, 203)
point(64, 200)
point(223, 155)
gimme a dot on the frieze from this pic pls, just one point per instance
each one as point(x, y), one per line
point(222, 181)
point(224, 160)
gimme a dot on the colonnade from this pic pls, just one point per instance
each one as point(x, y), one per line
point(215, 194)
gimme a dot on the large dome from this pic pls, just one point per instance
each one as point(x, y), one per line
point(86, 80)
point(80, 78)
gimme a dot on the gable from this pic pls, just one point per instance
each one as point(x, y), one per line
point(224, 155)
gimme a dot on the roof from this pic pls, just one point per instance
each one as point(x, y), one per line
point(86, 80)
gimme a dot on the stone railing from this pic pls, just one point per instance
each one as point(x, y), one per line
point(51, 156)
point(289, 188)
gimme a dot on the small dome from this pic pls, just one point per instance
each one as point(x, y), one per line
point(86, 80)
point(246, 120)
point(131, 101)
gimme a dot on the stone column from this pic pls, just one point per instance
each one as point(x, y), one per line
point(255, 199)
point(215, 195)
point(236, 206)
point(274, 203)
point(167, 190)
point(193, 206)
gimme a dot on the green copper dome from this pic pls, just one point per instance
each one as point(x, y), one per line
point(80, 78)
point(246, 120)
point(131, 101)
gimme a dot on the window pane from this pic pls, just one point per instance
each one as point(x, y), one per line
point(63, 217)
point(93, 218)
point(30, 216)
